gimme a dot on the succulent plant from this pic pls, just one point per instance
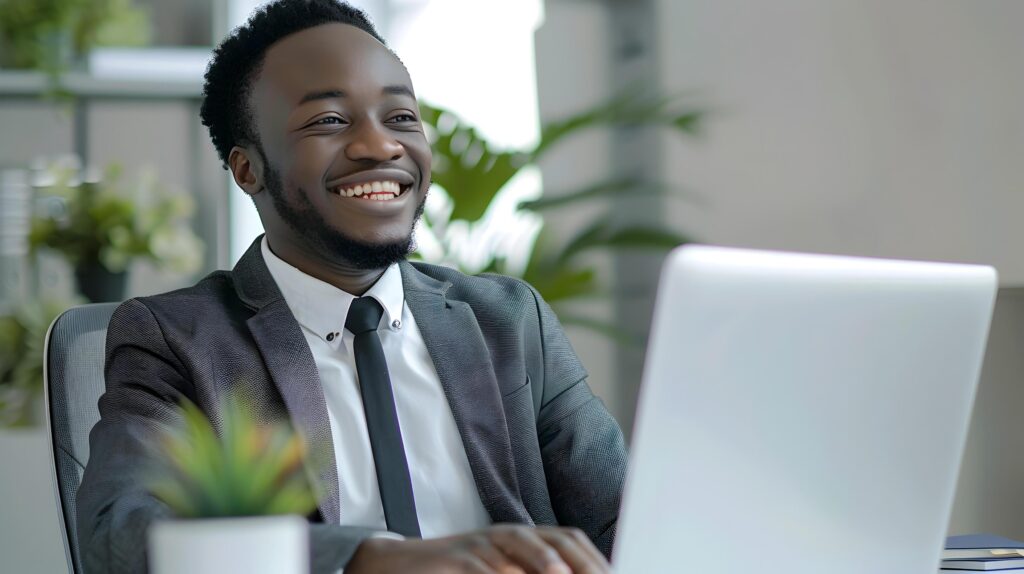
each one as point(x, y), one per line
point(249, 468)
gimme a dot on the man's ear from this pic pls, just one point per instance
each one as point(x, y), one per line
point(246, 167)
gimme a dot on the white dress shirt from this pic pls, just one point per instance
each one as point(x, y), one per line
point(447, 501)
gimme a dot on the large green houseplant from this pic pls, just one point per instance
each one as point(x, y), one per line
point(473, 173)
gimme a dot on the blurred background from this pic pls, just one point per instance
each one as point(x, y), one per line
point(575, 142)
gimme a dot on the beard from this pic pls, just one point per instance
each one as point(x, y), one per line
point(308, 223)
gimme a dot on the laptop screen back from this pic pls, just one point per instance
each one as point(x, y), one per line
point(801, 413)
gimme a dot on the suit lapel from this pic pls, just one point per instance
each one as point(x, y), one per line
point(293, 370)
point(462, 361)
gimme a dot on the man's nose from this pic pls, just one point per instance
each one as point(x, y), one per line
point(371, 141)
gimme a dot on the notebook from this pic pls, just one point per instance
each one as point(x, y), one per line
point(985, 564)
point(969, 546)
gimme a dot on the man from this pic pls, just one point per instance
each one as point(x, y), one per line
point(486, 451)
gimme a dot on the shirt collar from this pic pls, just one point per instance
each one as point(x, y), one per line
point(322, 307)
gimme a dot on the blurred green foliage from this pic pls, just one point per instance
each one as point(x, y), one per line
point(99, 222)
point(91, 222)
point(22, 338)
point(473, 172)
point(50, 34)
point(249, 469)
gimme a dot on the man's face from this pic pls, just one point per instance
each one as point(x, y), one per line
point(347, 163)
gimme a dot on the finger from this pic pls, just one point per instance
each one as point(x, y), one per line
point(523, 546)
point(574, 551)
point(496, 559)
point(471, 563)
point(587, 544)
point(480, 544)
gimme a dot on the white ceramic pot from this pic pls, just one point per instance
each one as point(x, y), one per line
point(251, 545)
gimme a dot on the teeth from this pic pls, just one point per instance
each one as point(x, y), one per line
point(376, 190)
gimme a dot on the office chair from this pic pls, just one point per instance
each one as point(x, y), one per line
point(72, 383)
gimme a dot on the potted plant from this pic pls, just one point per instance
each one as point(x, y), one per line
point(239, 496)
point(100, 229)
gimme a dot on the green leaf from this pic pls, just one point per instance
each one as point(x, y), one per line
point(242, 469)
point(552, 278)
point(608, 188)
point(602, 234)
point(562, 283)
point(632, 109)
point(469, 168)
point(689, 122)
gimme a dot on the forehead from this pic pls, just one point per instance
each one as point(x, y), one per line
point(337, 56)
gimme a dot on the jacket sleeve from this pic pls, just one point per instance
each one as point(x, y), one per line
point(581, 444)
point(145, 382)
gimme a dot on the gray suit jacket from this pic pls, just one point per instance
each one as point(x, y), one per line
point(543, 449)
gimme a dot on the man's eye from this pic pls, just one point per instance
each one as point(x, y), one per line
point(327, 121)
point(402, 118)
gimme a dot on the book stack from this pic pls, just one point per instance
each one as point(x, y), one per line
point(982, 552)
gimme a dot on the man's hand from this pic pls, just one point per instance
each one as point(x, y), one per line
point(502, 549)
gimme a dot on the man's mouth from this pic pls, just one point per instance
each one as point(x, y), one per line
point(383, 190)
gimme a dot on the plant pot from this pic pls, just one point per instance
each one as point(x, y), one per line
point(250, 545)
point(99, 285)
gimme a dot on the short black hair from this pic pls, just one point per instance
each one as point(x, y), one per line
point(238, 59)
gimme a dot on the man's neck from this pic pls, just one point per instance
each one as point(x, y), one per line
point(345, 277)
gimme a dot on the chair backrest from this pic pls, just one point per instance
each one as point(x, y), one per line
point(73, 383)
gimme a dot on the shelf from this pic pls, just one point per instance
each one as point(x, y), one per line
point(19, 84)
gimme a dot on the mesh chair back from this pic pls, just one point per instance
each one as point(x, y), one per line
point(73, 383)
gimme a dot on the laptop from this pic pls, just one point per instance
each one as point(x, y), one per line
point(801, 413)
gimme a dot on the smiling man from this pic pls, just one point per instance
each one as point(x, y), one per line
point(449, 420)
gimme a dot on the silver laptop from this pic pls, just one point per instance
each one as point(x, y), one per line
point(802, 413)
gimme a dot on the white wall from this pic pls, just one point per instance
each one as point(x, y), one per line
point(877, 127)
point(573, 75)
point(30, 530)
point(874, 127)
point(990, 493)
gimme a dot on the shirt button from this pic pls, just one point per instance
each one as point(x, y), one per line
point(396, 324)
point(330, 337)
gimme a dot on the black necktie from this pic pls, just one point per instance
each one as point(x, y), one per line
point(382, 419)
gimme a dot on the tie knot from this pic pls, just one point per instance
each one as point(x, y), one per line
point(363, 315)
